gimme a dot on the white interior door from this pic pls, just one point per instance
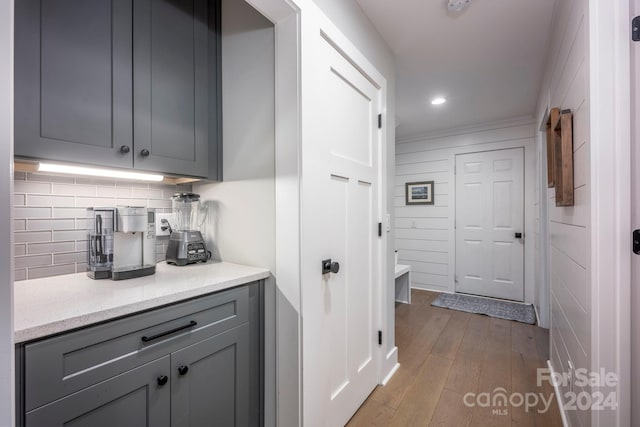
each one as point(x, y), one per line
point(489, 216)
point(340, 212)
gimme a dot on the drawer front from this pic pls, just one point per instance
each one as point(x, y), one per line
point(61, 365)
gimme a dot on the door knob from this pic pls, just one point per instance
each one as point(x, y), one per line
point(182, 370)
point(144, 153)
point(162, 380)
point(330, 267)
point(125, 149)
point(518, 235)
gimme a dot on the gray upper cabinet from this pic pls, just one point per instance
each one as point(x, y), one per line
point(123, 83)
point(73, 89)
point(171, 75)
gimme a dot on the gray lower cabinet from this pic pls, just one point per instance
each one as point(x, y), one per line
point(131, 399)
point(195, 363)
point(211, 382)
point(120, 83)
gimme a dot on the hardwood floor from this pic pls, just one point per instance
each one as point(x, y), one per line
point(445, 354)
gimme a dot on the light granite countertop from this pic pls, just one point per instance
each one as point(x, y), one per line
point(56, 304)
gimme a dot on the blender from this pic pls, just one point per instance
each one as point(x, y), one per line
point(186, 245)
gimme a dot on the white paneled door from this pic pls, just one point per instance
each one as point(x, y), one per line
point(490, 224)
point(340, 203)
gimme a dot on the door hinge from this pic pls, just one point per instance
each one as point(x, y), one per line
point(379, 337)
point(379, 121)
point(635, 29)
point(636, 242)
point(379, 229)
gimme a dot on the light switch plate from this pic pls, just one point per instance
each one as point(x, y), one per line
point(387, 221)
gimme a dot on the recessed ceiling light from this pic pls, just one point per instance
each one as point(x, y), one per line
point(457, 5)
point(438, 101)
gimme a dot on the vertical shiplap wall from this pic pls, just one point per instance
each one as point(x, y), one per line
point(566, 86)
point(425, 235)
point(50, 218)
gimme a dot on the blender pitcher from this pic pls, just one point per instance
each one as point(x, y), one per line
point(186, 245)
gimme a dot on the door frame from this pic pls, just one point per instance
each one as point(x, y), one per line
point(524, 217)
point(290, 36)
point(610, 264)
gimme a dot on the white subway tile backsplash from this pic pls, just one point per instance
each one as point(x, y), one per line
point(86, 202)
point(66, 258)
point(51, 218)
point(69, 213)
point(159, 204)
point(24, 187)
point(28, 212)
point(32, 261)
point(132, 202)
point(53, 201)
point(50, 178)
point(54, 270)
point(88, 180)
point(20, 274)
point(147, 193)
point(28, 237)
point(50, 248)
point(81, 267)
point(114, 192)
point(50, 224)
point(62, 236)
point(74, 190)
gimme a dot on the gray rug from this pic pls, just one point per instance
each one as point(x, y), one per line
point(491, 307)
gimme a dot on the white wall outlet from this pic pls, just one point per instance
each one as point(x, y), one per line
point(160, 224)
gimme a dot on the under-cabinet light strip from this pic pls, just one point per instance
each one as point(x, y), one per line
point(108, 173)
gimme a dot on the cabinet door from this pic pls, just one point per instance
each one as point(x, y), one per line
point(73, 86)
point(213, 390)
point(131, 399)
point(172, 71)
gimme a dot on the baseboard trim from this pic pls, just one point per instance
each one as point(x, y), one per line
point(390, 374)
point(390, 366)
point(556, 389)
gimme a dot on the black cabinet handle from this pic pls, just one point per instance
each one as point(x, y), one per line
point(162, 380)
point(182, 370)
point(125, 149)
point(144, 153)
point(172, 331)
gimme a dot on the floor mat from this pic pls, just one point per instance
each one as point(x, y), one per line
point(491, 307)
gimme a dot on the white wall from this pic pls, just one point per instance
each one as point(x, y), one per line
point(425, 236)
point(6, 215)
point(241, 224)
point(566, 86)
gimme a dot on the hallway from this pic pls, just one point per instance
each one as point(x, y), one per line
point(444, 355)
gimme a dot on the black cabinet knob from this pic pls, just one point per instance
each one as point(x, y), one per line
point(125, 149)
point(162, 380)
point(144, 153)
point(182, 370)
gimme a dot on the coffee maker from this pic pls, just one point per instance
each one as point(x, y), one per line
point(122, 242)
point(186, 245)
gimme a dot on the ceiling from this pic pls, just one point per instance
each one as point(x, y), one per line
point(487, 61)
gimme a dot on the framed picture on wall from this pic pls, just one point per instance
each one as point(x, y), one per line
point(419, 193)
